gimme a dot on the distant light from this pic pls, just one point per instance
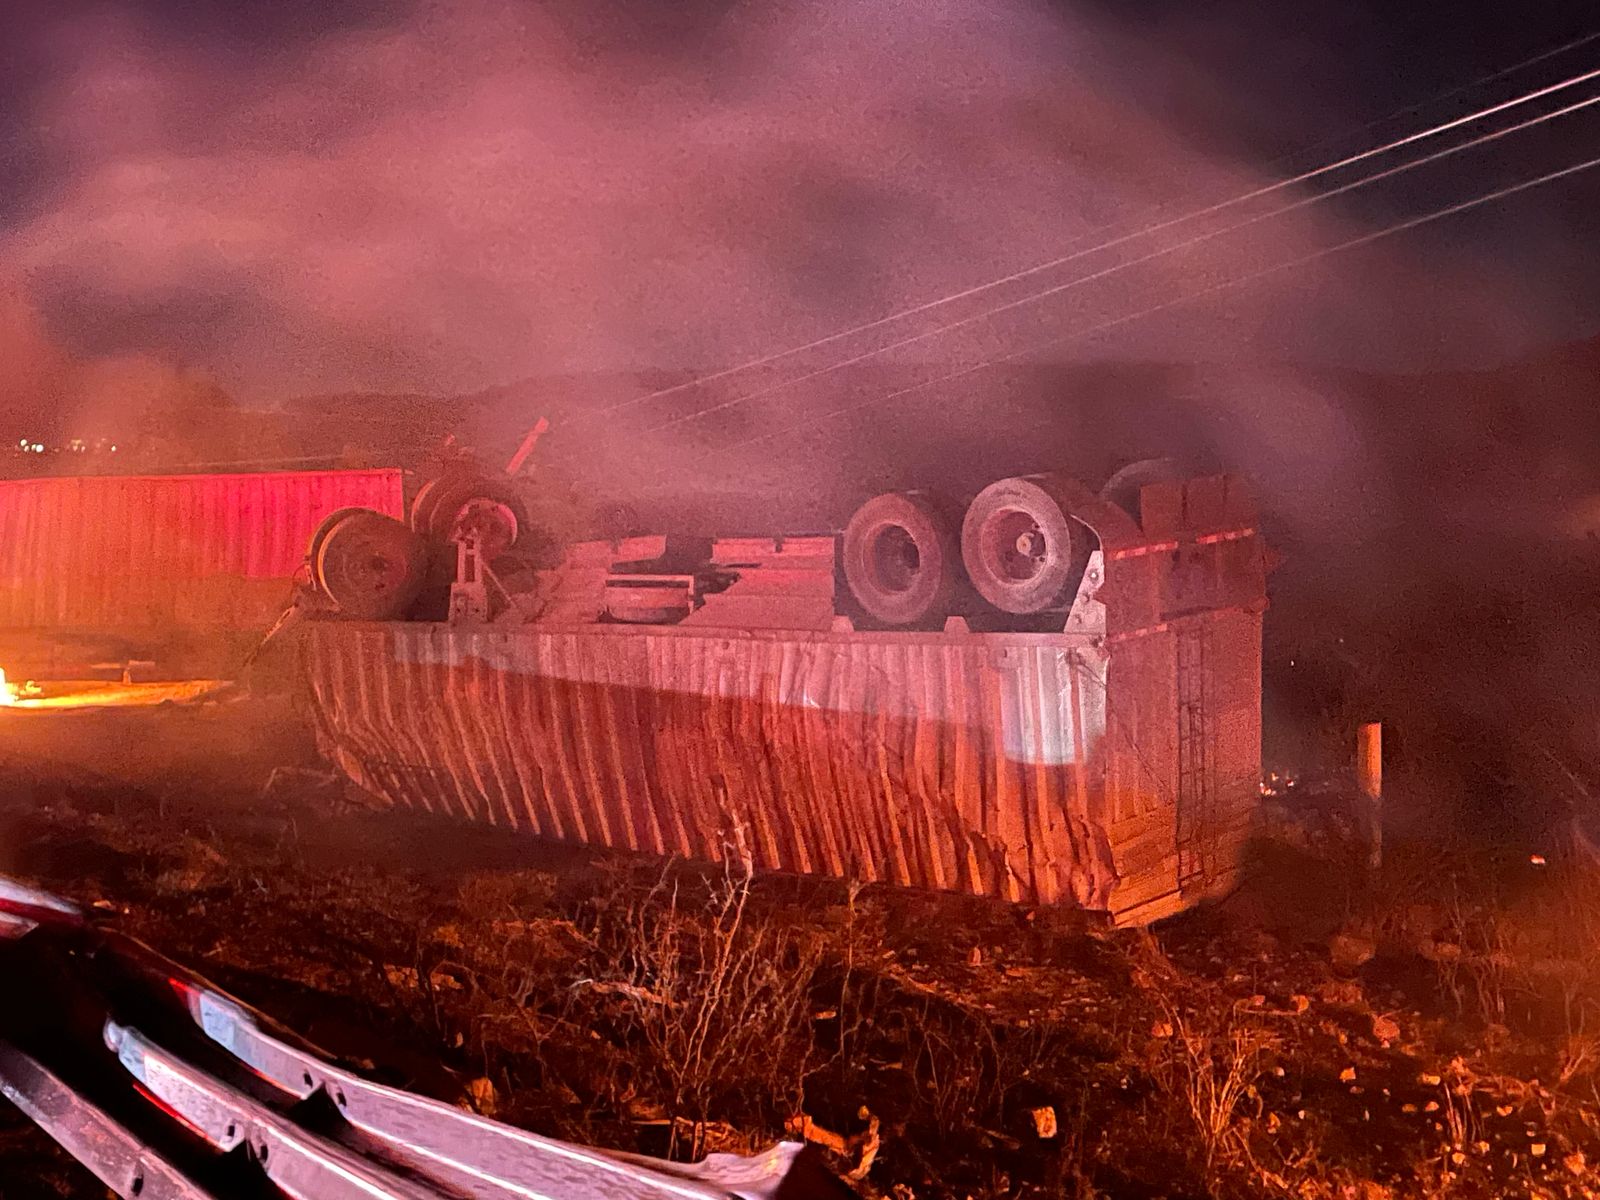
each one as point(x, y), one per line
point(38, 447)
point(1536, 859)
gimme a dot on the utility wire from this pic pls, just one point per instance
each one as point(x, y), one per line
point(1117, 268)
point(1145, 231)
point(1215, 289)
point(1450, 94)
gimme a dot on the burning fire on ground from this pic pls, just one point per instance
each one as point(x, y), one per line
point(92, 693)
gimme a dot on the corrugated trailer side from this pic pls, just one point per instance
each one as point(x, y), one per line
point(108, 552)
point(1182, 760)
point(994, 764)
point(953, 762)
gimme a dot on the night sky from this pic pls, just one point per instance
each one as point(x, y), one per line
point(322, 195)
point(1295, 84)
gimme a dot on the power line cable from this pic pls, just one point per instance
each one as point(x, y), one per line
point(1106, 272)
point(1215, 289)
point(1145, 231)
point(1450, 94)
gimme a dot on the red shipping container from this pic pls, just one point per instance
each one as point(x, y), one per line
point(131, 554)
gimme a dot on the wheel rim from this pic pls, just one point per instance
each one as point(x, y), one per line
point(1019, 545)
point(490, 520)
point(1014, 547)
point(894, 559)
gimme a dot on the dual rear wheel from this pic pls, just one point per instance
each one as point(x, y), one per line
point(908, 563)
point(375, 568)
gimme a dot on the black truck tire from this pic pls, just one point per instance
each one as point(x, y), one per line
point(371, 566)
point(902, 559)
point(1023, 550)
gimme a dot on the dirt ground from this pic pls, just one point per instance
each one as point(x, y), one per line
point(1434, 1031)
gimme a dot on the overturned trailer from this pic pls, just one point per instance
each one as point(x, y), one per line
point(1074, 720)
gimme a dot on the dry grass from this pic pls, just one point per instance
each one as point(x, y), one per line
point(720, 999)
point(630, 1007)
point(1209, 1066)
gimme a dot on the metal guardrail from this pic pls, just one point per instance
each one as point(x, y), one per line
point(118, 1158)
point(272, 1114)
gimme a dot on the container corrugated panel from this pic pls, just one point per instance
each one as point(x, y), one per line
point(1149, 808)
point(1141, 769)
point(202, 552)
point(963, 762)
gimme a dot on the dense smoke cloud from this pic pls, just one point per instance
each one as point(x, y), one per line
point(479, 191)
point(467, 193)
point(484, 191)
point(50, 393)
point(34, 364)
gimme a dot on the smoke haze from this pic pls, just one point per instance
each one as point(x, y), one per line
point(477, 192)
point(486, 191)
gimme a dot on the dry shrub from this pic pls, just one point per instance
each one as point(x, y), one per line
point(513, 956)
point(1526, 964)
point(967, 1067)
point(1209, 1067)
point(1476, 973)
point(857, 934)
point(1578, 1056)
point(1445, 901)
point(718, 998)
point(1074, 1175)
point(952, 1060)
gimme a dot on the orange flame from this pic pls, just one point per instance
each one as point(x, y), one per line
point(90, 693)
